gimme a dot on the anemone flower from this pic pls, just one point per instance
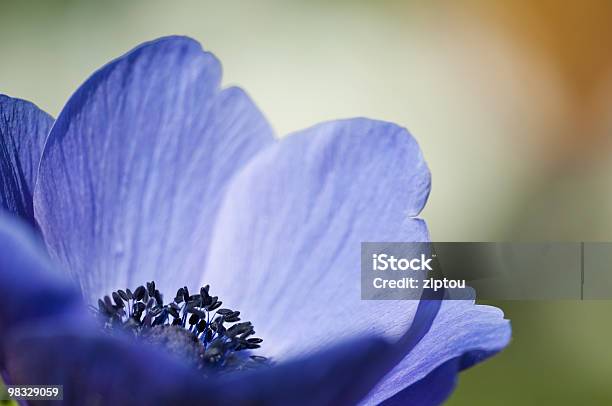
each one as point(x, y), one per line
point(152, 172)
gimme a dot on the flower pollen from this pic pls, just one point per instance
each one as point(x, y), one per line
point(194, 327)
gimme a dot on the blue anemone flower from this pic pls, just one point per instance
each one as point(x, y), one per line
point(152, 171)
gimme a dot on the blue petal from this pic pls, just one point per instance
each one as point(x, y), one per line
point(29, 287)
point(462, 334)
point(104, 369)
point(431, 390)
point(94, 368)
point(286, 248)
point(340, 375)
point(136, 164)
point(23, 129)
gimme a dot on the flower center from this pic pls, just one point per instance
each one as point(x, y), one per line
point(195, 327)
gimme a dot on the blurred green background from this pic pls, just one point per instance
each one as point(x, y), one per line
point(510, 101)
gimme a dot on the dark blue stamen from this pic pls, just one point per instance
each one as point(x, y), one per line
point(191, 325)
